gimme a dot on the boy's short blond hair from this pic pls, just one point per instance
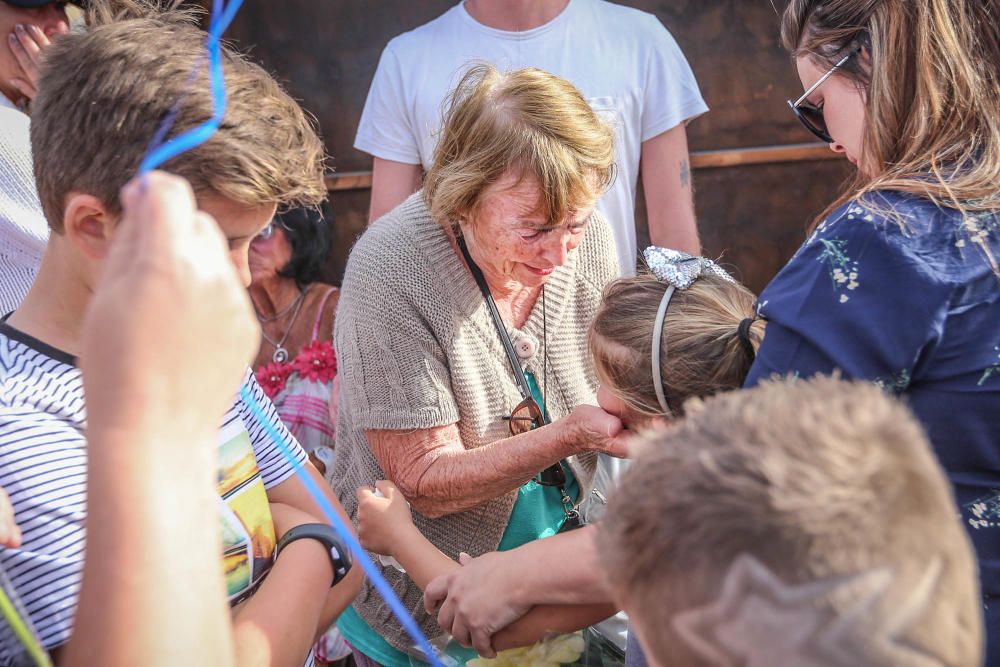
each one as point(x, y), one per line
point(807, 522)
point(104, 93)
point(527, 122)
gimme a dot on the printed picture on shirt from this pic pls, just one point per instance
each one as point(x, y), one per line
point(247, 530)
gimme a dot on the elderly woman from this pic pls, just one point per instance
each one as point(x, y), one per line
point(502, 241)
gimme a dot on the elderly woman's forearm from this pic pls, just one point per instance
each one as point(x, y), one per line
point(438, 476)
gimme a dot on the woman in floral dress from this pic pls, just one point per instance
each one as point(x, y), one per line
point(296, 364)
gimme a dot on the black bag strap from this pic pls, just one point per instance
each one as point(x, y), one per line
point(572, 514)
point(508, 346)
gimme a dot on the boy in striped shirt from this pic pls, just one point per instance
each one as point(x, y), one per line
point(103, 95)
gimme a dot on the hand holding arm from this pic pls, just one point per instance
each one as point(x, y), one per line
point(491, 592)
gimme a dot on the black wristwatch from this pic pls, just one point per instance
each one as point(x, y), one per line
point(340, 558)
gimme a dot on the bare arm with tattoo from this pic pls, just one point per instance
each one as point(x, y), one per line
point(438, 476)
point(666, 183)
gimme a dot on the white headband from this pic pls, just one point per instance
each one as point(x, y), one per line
point(679, 270)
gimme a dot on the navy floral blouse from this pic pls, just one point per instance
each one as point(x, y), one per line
point(901, 292)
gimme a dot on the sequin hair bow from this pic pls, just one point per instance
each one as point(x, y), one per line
point(678, 270)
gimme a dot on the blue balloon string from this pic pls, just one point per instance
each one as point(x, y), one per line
point(222, 16)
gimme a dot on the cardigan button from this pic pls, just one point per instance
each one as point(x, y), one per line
point(525, 347)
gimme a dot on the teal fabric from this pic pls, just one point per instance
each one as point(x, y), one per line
point(538, 513)
point(359, 635)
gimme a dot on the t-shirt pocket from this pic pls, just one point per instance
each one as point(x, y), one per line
point(609, 109)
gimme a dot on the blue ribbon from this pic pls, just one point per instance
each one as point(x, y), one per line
point(160, 152)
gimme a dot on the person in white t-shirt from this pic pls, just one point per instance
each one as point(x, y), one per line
point(623, 60)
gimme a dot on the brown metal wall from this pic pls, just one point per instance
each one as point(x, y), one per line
point(754, 215)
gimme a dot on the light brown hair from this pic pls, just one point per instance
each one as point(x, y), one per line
point(700, 348)
point(104, 93)
point(932, 92)
point(818, 480)
point(528, 122)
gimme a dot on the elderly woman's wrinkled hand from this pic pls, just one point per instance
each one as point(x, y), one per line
point(591, 429)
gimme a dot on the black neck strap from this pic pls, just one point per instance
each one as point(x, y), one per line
point(508, 346)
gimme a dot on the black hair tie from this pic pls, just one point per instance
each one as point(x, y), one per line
point(744, 334)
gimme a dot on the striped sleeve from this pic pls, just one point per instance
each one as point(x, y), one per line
point(43, 469)
point(274, 464)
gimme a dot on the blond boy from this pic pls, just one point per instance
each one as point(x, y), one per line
point(103, 95)
point(803, 524)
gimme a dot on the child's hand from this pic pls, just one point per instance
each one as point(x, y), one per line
point(383, 517)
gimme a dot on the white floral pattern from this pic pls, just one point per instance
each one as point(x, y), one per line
point(842, 269)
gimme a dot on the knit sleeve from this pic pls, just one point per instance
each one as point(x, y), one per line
point(389, 335)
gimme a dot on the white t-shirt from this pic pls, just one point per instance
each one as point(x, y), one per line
point(623, 60)
point(43, 468)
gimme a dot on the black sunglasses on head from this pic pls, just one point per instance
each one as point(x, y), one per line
point(812, 117)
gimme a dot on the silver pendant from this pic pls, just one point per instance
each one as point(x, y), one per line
point(280, 355)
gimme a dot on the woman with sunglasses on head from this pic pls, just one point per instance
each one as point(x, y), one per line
point(461, 324)
point(296, 364)
point(899, 282)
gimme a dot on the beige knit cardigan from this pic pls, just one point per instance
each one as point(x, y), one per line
point(417, 348)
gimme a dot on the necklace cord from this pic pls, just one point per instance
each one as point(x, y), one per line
point(276, 316)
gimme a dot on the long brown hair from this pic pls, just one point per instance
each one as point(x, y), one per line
point(701, 350)
point(933, 92)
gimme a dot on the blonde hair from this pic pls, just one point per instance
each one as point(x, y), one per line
point(700, 348)
point(933, 93)
point(819, 481)
point(528, 122)
point(104, 93)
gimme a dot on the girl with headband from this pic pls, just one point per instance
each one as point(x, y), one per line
point(685, 329)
